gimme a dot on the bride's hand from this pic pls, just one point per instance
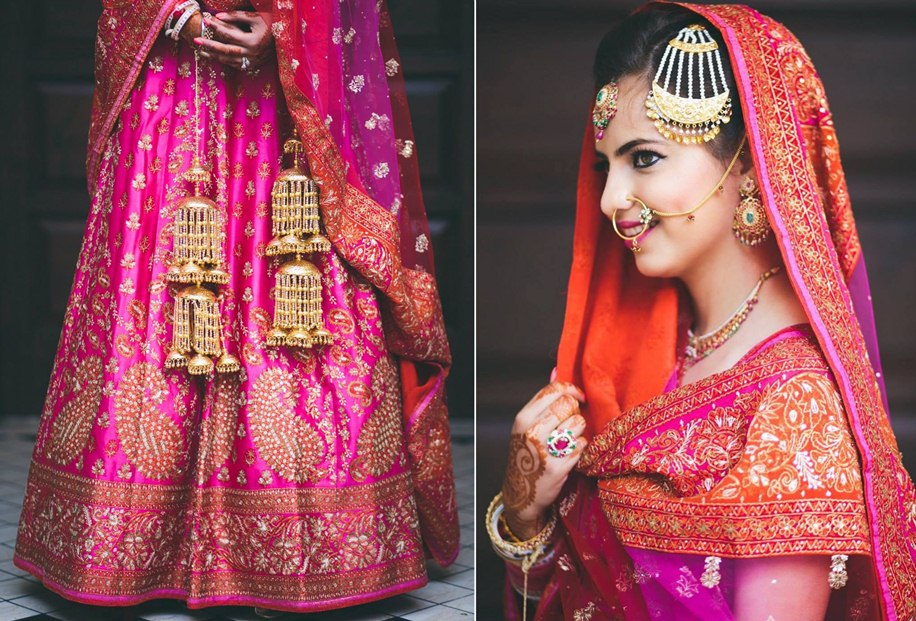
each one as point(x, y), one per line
point(533, 477)
point(237, 35)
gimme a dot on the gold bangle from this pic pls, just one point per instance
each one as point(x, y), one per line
point(504, 524)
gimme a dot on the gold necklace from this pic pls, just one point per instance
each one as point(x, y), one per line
point(698, 347)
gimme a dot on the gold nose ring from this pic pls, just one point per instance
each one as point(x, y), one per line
point(645, 217)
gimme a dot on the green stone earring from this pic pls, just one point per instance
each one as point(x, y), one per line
point(750, 225)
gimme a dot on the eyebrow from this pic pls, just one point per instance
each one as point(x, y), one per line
point(627, 147)
point(633, 144)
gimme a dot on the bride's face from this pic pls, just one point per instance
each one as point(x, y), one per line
point(668, 177)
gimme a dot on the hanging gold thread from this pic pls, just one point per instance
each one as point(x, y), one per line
point(296, 225)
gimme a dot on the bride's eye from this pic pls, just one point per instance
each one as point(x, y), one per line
point(644, 159)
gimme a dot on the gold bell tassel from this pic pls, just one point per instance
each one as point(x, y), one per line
point(297, 306)
point(196, 330)
point(199, 236)
point(198, 258)
point(227, 363)
point(296, 223)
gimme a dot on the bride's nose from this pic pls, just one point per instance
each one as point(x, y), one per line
point(615, 199)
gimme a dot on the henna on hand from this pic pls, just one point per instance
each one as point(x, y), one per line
point(238, 34)
point(525, 467)
point(532, 483)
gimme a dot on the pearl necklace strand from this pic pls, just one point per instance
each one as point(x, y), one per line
point(698, 347)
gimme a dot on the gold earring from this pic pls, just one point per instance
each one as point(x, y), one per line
point(750, 225)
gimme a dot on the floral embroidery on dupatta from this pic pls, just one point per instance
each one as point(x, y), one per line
point(756, 460)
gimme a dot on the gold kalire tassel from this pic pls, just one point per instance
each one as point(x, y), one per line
point(296, 220)
point(198, 258)
point(199, 236)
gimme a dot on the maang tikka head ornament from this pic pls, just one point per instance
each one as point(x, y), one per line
point(677, 114)
point(605, 108)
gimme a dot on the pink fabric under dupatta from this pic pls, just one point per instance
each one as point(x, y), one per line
point(313, 479)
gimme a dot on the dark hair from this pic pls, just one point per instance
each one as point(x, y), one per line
point(635, 47)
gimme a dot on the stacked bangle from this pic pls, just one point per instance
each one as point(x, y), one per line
point(503, 525)
point(517, 551)
point(525, 553)
point(187, 8)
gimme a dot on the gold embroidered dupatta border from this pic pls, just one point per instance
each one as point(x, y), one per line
point(126, 33)
point(792, 138)
point(367, 237)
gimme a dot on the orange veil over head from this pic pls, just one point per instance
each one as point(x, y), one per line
point(622, 332)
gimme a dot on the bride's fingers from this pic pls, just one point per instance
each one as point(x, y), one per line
point(216, 48)
point(227, 33)
point(230, 61)
point(565, 407)
point(243, 17)
point(576, 424)
point(534, 409)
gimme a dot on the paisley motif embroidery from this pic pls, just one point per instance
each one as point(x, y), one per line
point(149, 436)
point(287, 442)
point(379, 441)
point(789, 482)
point(218, 428)
point(73, 425)
point(693, 456)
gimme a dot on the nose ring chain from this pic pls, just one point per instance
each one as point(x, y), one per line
point(647, 214)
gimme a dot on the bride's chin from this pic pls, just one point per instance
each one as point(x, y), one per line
point(654, 264)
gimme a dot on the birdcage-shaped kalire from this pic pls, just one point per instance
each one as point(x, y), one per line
point(199, 234)
point(296, 225)
point(197, 330)
point(198, 258)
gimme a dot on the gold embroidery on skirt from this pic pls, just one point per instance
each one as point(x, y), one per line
point(585, 613)
point(105, 533)
point(379, 441)
point(74, 423)
point(286, 441)
point(149, 436)
point(217, 432)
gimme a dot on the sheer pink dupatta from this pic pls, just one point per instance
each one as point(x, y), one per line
point(345, 91)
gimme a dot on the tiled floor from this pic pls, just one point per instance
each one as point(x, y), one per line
point(449, 594)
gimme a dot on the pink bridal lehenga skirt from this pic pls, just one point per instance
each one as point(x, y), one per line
point(285, 485)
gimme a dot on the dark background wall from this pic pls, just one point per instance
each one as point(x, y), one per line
point(534, 93)
point(46, 81)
